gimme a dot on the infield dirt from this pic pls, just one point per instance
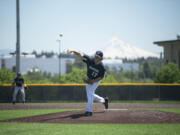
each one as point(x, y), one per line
point(118, 113)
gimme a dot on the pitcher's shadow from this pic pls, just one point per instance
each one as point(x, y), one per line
point(72, 116)
point(79, 115)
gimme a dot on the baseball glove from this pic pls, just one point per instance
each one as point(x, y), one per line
point(88, 81)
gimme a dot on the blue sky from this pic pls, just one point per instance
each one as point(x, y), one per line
point(88, 25)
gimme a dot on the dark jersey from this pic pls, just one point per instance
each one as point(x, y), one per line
point(94, 71)
point(19, 81)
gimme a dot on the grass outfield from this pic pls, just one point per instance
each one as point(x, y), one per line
point(88, 129)
point(10, 114)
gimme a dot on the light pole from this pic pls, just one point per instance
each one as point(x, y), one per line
point(18, 37)
point(60, 35)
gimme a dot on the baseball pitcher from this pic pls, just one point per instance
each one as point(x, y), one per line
point(95, 73)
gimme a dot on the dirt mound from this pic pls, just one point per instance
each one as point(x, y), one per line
point(104, 116)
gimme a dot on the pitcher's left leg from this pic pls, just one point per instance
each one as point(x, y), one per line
point(90, 89)
point(90, 97)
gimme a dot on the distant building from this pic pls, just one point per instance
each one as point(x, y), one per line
point(43, 64)
point(51, 65)
point(68, 66)
point(171, 50)
point(3, 64)
point(119, 65)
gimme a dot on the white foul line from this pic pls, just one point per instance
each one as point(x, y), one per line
point(116, 109)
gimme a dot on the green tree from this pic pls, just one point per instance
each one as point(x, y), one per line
point(109, 79)
point(34, 76)
point(6, 76)
point(114, 70)
point(147, 70)
point(76, 76)
point(168, 74)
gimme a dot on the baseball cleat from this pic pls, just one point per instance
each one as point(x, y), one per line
point(88, 114)
point(106, 102)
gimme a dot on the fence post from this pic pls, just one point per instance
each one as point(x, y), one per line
point(159, 92)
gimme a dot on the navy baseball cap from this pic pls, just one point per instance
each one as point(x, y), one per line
point(18, 74)
point(99, 54)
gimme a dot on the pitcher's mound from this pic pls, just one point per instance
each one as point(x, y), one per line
point(104, 116)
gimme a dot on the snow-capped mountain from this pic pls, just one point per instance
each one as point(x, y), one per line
point(120, 49)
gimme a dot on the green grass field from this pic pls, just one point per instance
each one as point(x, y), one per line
point(88, 129)
point(10, 114)
point(82, 129)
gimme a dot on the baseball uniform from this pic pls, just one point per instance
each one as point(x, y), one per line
point(94, 71)
point(19, 86)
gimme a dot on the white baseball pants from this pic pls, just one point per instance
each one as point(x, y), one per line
point(16, 91)
point(91, 96)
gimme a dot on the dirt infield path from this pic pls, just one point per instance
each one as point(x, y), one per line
point(96, 106)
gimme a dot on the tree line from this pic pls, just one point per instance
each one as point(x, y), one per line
point(51, 54)
point(150, 70)
point(167, 74)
